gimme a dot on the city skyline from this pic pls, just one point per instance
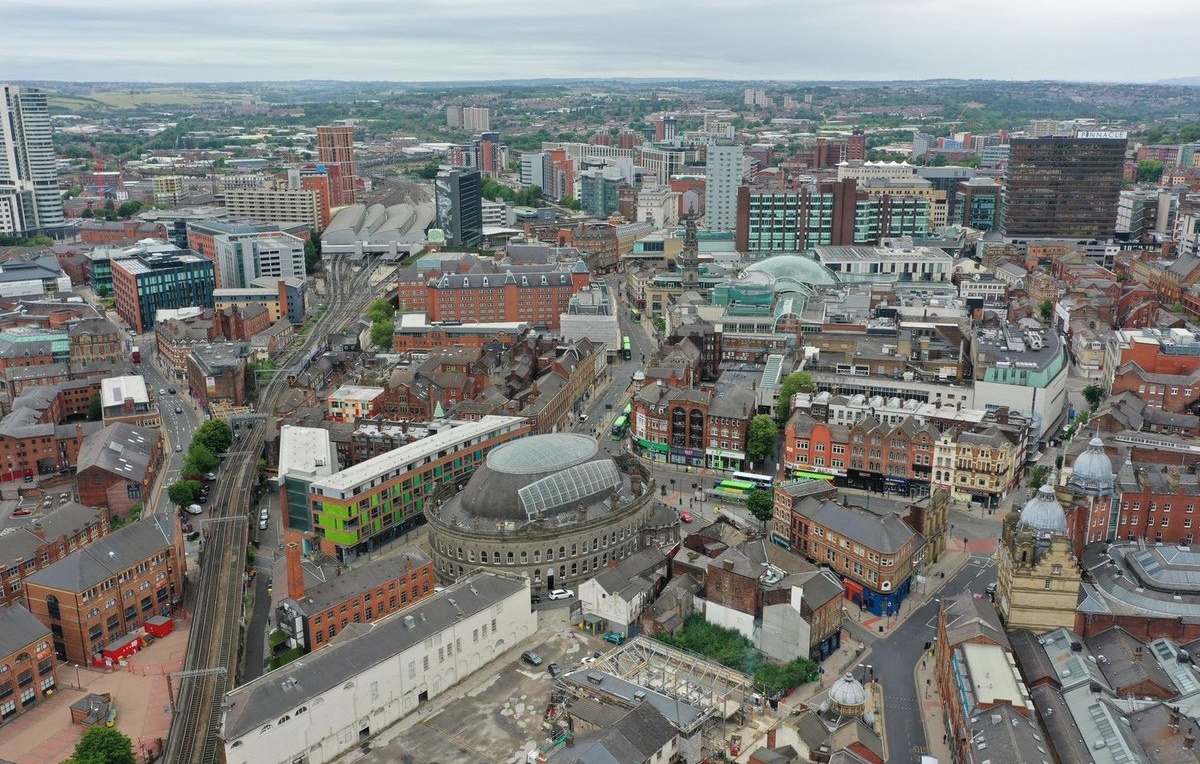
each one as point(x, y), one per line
point(472, 40)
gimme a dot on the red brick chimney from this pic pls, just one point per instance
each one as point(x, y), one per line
point(295, 571)
point(771, 739)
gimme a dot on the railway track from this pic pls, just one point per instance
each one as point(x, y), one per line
point(215, 640)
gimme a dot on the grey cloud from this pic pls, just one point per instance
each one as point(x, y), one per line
point(486, 39)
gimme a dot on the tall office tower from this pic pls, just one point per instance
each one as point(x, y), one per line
point(670, 128)
point(1063, 188)
point(458, 206)
point(723, 176)
point(30, 201)
point(335, 150)
point(476, 119)
point(454, 116)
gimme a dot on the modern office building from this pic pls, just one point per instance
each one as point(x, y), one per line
point(335, 150)
point(371, 502)
point(724, 171)
point(242, 259)
point(143, 285)
point(977, 204)
point(793, 219)
point(306, 454)
point(1063, 187)
point(458, 200)
point(599, 191)
point(30, 201)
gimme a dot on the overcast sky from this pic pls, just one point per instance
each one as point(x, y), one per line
point(414, 40)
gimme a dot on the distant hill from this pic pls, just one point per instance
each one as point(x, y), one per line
point(1189, 82)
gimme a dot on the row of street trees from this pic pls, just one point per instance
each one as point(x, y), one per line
point(210, 440)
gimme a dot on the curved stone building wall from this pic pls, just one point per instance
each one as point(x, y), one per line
point(551, 557)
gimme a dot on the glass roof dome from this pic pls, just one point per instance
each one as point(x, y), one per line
point(532, 478)
point(1043, 513)
point(792, 271)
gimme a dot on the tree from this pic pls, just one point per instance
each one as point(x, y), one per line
point(312, 251)
point(1047, 309)
point(571, 203)
point(380, 310)
point(761, 439)
point(1093, 394)
point(428, 172)
point(103, 290)
point(762, 505)
point(1149, 171)
point(381, 335)
point(215, 434)
point(95, 409)
point(796, 382)
point(129, 209)
point(184, 492)
point(200, 459)
point(103, 745)
point(1038, 476)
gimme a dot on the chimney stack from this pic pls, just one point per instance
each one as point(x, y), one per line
point(295, 571)
point(771, 739)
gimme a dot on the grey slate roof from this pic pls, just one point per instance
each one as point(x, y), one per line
point(1064, 733)
point(18, 628)
point(1035, 665)
point(358, 648)
point(22, 543)
point(1001, 734)
point(884, 532)
point(119, 448)
point(635, 738)
point(972, 618)
point(87, 567)
point(363, 578)
point(1125, 661)
point(641, 563)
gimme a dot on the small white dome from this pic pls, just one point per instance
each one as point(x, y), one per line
point(1092, 472)
point(1043, 513)
point(848, 692)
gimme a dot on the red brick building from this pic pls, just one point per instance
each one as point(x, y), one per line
point(32, 442)
point(1173, 393)
point(316, 611)
point(117, 467)
point(537, 295)
point(100, 594)
point(43, 540)
point(111, 232)
point(335, 150)
point(28, 669)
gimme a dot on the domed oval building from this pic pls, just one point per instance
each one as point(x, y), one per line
point(550, 507)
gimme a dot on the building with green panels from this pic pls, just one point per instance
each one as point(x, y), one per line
point(369, 503)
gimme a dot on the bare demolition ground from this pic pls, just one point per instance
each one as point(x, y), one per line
point(495, 717)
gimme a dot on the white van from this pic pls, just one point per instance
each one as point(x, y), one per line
point(195, 509)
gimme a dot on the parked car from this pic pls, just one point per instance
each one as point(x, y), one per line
point(171, 390)
point(210, 476)
point(561, 594)
point(613, 637)
point(555, 670)
point(193, 535)
point(162, 391)
point(28, 478)
point(194, 509)
point(22, 511)
point(534, 599)
point(532, 658)
point(687, 517)
point(262, 524)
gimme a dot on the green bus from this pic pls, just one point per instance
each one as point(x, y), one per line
point(626, 348)
point(635, 315)
point(628, 410)
point(619, 426)
point(734, 488)
point(812, 476)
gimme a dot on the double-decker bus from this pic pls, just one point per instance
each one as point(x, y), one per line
point(619, 426)
point(135, 354)
point(626, 348)
point(635, 315)
point(628, 410)
point(762, 482)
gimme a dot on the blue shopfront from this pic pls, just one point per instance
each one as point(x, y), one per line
point(878, 602)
